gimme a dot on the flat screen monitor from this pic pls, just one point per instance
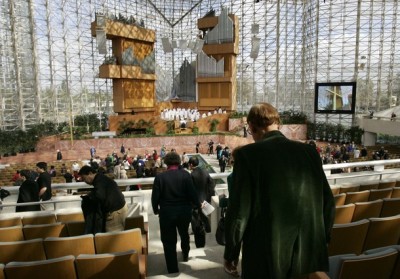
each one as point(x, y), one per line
point(335, 97)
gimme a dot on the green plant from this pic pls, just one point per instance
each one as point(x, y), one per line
point(213, 125)
point(293, 117)
point(237, 114)
point(195, 129)
point(170, 128)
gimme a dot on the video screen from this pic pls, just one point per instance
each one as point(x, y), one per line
point(338, 97)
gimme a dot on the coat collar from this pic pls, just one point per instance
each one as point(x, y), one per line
point(272, 135)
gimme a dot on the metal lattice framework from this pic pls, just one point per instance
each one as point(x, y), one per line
point(49, 61)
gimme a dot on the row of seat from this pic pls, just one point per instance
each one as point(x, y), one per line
point(366, 195)
point(58, 229)
point(365, 185)
point(382, 263)
point(363, 235)
point(123, 265)
point(50, 218)
point(55, 247)
point(363, 210)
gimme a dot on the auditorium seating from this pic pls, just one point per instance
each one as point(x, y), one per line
point(365, 210)
point(344, 213)
point(27, 250)
point(121, 265)
point(70, 217)
point(56, 247)
point(348, 238)
point(45, 230)
point(75, 228)
point(396, 192)
point(60, 268)
point(138, 222)
point(360, 196)
point(366, 266)
point(111, 242)
point(349, 187)
point(382, 232)
point(11, 233)
point(340, 199)
point(387, 183)
point(10, 222)
point(376, 194)
point(396, 269)
point(369, 185)
point(39, 219)
point(390, 207)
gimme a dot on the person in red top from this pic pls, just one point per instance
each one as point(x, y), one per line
point(16, 176)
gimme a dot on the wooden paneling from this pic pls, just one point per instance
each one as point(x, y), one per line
point(117, 29)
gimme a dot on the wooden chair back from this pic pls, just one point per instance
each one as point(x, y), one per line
point(349, 187)
point(360, 196)
point(390, 207)
point(365, 210)
point(382, 232)
point(43, 231)
point(378, 265)
point(70, 217)
point(60, 268)
point(387, 183)
point(11, 234)
point(76, 228)
point(22, 251)
point(39, 219)
point(56, 247)
point(111, 242)
point(340, 199)
point(122, 265)
point(344, 213)
point(348, 238)
point(369, 185)
point(396, 192)
point(10, 222)
point(376, 194)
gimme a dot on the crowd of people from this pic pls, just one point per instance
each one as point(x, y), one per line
point(188, 114)
point(283, 207)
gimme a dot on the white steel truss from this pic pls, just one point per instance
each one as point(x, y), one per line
point(49, 61)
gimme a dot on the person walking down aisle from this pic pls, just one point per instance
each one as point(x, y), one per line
point(172, 198)
point(44, 182)
point(205, 188)
point(107, 193)
point(282, 209)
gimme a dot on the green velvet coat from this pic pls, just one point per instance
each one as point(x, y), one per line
point(281, 209)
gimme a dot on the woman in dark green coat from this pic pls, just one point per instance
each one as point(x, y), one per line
point(281, 207)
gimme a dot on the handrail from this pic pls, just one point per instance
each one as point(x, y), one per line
point(72, 198)
point(150, 180)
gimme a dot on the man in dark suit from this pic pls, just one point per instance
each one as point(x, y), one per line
point(204, 185)
point(173, 197)
point(281, 208)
